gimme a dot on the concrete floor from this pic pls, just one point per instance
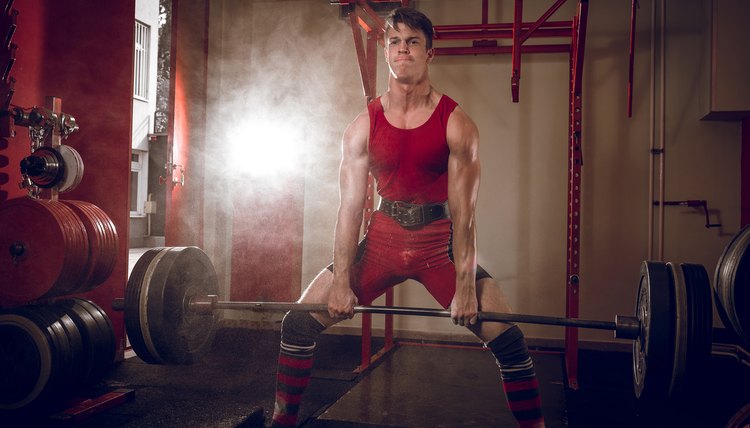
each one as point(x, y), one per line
point(413, 386)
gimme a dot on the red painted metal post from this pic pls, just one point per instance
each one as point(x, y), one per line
point(388, 320)
point(367, 60)
point(516, 53)
point(361, 54)
point(574, 190)
point(372, 63)
point(366, 342)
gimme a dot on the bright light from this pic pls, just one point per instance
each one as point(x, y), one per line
point(264, 148)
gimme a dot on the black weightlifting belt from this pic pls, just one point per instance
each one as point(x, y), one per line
point(413, 215)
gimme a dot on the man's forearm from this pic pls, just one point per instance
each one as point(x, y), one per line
point(464, 249)
point(345, 243)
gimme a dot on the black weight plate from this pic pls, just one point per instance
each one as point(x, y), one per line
point(97, 334)
point(25, 361)
point(732, 284)
point(653, 350)
point(741, 419)
point(720, 266)
point(700, 323)
point(74, 370)
point(105, 338)
point(63, 348)
point(681, 331)
point(179, 335)
point(133, 305)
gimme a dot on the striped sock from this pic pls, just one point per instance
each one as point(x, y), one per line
point(295, 367)
point(519, 379)
point(298, 334)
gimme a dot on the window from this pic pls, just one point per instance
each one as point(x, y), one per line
point(138, 183)
point(142, 43)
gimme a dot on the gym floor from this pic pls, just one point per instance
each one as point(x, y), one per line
point(414, 385)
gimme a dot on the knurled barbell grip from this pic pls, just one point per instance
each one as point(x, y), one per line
point(624, 327)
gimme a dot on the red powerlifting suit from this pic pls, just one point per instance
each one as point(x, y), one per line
point(410, 165)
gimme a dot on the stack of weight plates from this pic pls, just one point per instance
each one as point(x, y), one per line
point(53, 248)
point(50, 350)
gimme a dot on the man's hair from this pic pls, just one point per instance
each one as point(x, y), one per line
point(413, 19)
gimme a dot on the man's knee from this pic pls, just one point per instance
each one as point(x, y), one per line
point(300, 328)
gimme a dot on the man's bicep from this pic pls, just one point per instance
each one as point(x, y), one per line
point(354, 162)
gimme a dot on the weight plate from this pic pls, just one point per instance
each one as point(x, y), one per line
point(741, 419)
point(653, 350)
point(732, 284)
point(77, 247)
point(102, 243)
point(700, 327)
point(40, 249)
point(77, 353)
point(106, 339)
point(97, 334)
point(178, 335)
point(53, 171)
point(681, 331)
point(133, 306)
point(73, 169)
point(26, 361)
point(146, 318)
point(62, 348)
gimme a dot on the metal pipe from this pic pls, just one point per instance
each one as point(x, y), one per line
point(662, 124)
point(502, 26)
point(491, 50)
point(498, 34)
point(652, 135)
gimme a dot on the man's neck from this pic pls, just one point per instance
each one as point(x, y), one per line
point(409, 96)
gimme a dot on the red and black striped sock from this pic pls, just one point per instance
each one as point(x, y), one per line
point(295, 367)
point(298, 334)
point(519, 378)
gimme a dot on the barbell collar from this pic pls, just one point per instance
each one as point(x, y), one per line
point(627, 327)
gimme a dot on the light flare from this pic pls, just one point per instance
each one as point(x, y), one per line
point(265, 148)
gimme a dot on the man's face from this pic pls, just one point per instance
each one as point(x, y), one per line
point(406, 53)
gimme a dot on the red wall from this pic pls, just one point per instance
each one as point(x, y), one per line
point(267, 220)
point(184, 210)
point(27, 71)
point(267, 230)
point(81, 52)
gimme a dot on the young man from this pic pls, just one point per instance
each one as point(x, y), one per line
point(423, 151)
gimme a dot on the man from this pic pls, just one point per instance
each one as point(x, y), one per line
point(423, 151)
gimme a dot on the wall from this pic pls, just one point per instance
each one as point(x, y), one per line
point(300, 55)
point(54, 58)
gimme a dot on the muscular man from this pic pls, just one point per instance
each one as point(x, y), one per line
point(423, 150)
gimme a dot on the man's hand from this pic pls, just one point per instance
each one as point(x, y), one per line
point(341, 302)
point(464, 306)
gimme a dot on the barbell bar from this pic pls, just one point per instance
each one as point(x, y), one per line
point(171, 312)
point(625, 327)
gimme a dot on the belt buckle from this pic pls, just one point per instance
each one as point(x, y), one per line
point(407, 215)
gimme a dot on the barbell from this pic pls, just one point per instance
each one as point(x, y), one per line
point(171, 313)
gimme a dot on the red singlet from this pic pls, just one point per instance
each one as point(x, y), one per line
point(409, 165)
